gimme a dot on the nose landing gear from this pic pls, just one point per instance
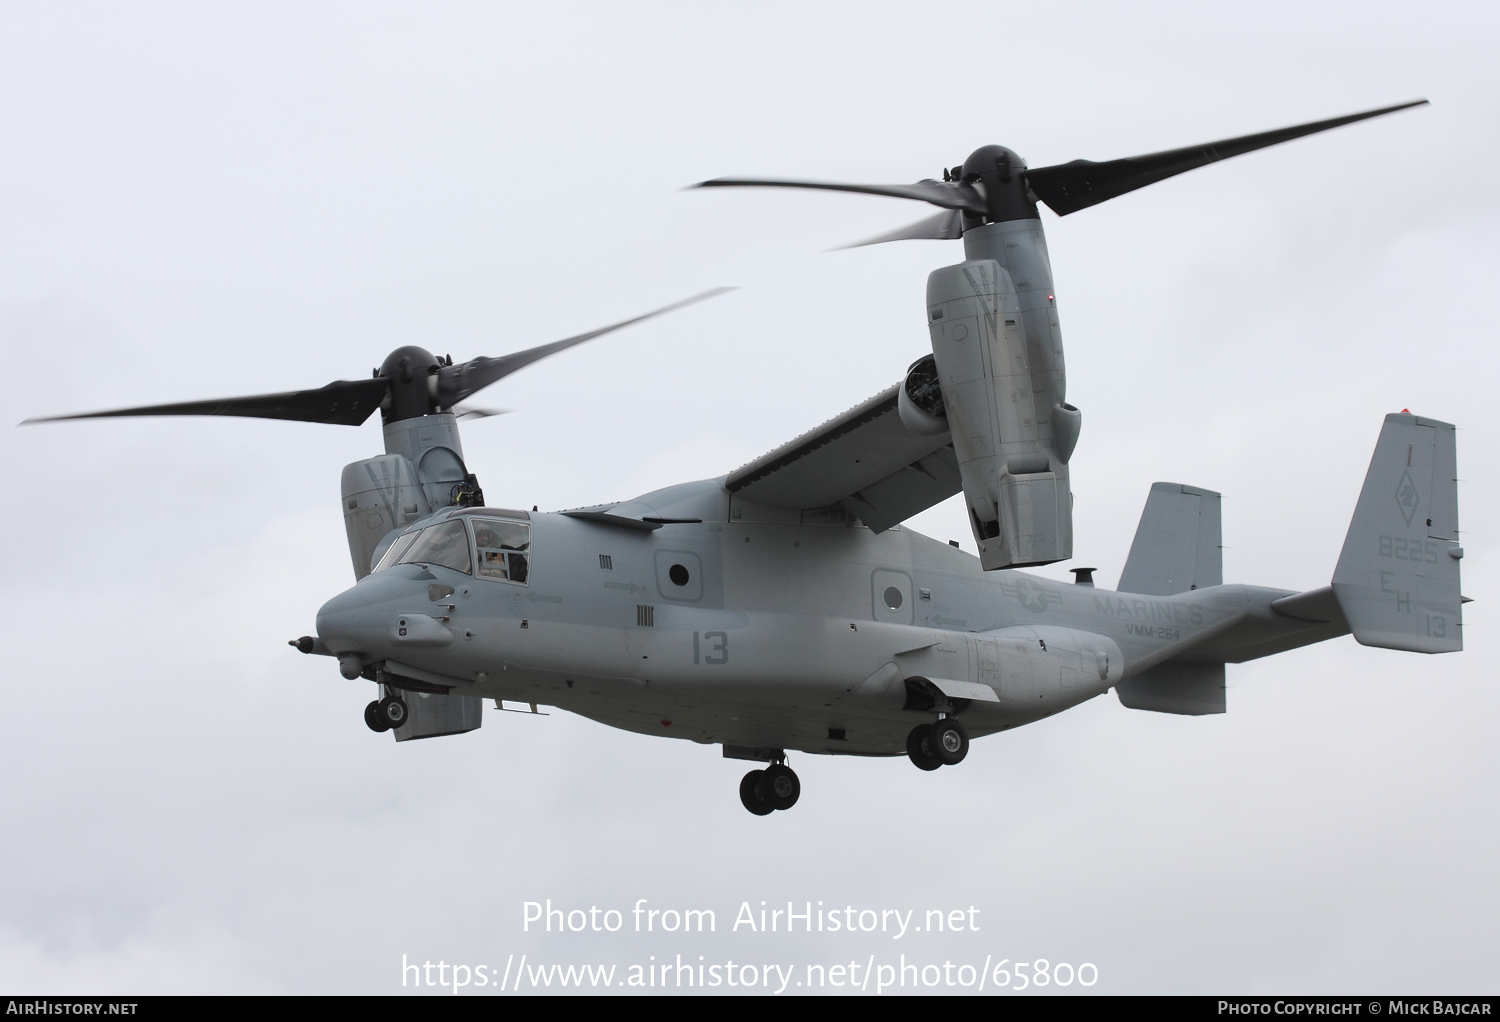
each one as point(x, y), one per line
point(933, 745)
point(765, 791)
point(385, 714)
point(748, 796)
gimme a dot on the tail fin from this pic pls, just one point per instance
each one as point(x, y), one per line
point(1397, 577)
point(1178, 543)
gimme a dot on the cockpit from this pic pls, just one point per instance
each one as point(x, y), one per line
point(493, 548)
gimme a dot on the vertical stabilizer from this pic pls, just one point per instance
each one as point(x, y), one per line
point(1397, 576)
point(1178, 545)
point(1184, 687)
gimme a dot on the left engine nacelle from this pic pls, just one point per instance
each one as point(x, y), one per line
point(919, 402)
point(1012, 432)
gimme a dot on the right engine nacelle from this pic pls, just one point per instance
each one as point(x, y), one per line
point(422, 470)
point(379, 494)
point(1011, 431)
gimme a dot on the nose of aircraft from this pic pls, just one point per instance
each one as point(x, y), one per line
point(385, 613)
point(348, 622)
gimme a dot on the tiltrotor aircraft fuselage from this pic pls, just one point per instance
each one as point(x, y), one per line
point(695, 613)
point(783, 606)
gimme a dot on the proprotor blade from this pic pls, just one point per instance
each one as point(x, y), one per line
point(947, 194)
point(341, 403)
point(471, 412)
point(1069, 187)
point(455, 383)
point(946, 226)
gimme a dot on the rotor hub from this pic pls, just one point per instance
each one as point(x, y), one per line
point(411, 372)
point(999, 174)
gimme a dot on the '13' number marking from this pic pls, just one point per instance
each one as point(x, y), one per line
point(718, 649)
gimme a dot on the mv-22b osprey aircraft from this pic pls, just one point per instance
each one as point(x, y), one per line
point(782, 606)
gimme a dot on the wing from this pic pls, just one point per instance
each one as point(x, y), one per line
point(864, 461)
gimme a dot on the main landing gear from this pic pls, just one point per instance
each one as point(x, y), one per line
point(933, 745)
point(765, 791)
point(387, 713)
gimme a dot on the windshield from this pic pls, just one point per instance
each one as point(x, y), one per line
point(395, 550)
point(504, 549)
point(445, 545)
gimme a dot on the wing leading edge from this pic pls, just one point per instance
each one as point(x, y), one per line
point(864, 461)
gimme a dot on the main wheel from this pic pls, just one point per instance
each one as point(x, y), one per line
point(392, 711)
point(372, 717)
point(921, 748)
point(779, 787)
point(950, 741)
point(752, 801)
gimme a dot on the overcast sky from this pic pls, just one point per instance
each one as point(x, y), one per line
point(203, 200)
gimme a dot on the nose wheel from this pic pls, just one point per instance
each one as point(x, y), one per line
point(945, 743)
point(372, 717)
point(387, 713)
point(765, 791)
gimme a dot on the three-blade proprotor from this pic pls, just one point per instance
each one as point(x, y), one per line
point(994, 185)
point(404, 387)
point(1069, 187)
point(456, 383)
point(341, 403)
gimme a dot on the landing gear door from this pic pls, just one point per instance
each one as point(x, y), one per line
point(987, 662)
point(432, 715)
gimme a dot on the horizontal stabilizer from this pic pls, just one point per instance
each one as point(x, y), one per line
point(1316, 605)
point(1178, 543)
point(1397, 578)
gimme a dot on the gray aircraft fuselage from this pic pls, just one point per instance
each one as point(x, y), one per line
point(784, 606)
point(786, 635)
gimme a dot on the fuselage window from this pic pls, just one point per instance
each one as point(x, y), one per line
point(445, 545)
point(395, 550)
point(503, 549)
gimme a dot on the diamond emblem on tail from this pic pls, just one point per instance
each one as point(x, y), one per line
point(1406, 496)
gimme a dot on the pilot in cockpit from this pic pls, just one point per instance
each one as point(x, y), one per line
point(491, 557)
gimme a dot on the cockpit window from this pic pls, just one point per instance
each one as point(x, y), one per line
point(503, 548)
point(446, 545)
point(395, 550)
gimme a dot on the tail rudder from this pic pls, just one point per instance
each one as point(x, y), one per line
point(1397, 579)
point(1178, 544)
